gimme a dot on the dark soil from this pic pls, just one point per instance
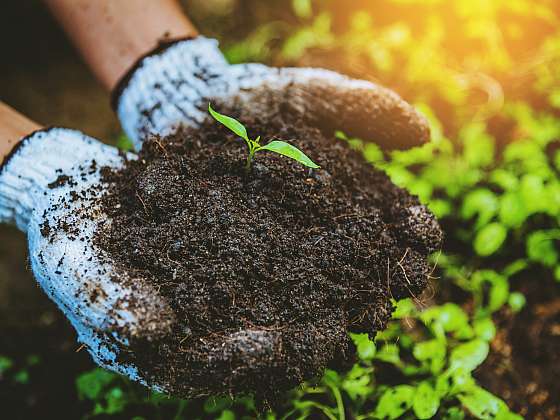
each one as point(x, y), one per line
point(268, 271)
point(524, 364)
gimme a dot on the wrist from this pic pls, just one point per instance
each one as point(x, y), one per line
point(13, 127)
point(112, 35)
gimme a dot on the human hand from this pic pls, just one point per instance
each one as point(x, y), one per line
point(173, 86)
point(49, 187)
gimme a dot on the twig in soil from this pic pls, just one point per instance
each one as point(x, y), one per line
point(345, 215)
point(404, 272)
point(158, 142)
point(435, 266)
point(389, 280)
point(319, 240)
point(143, 204)
point(169, 258)
point(399, 263)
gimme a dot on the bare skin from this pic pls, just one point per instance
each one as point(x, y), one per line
point(113, 35)
point(13, 127)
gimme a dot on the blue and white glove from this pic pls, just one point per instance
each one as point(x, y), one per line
point(49, 188)
point(173, 86)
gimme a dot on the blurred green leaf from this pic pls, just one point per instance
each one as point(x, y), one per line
point(507, 180)
point(469, 355)
point(395, 402)
point(482, 203)
point(404, 308)
point(490, 239)
point(365, 347)
point(389, 353)
point(426, 401)
point(5, 364)
point(217, 404)
point(91, 384)
point(124, 143)
point(302, 8)
point(478, 145)
point(481, 403)
point(541, 247)
point(357, 382)
point(512, 210)
point(516, 301)
point(433, 352)
point(116, 401)
point(22, 377)
point(226, 415)
point(485, 329)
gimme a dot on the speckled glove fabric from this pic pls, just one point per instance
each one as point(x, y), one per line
point(173, 86)
point(48, 188)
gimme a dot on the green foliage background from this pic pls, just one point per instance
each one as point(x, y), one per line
point(487, 75)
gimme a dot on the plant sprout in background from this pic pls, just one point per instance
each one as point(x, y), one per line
point(254, 146)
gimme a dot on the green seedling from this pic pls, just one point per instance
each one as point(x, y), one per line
point(254, 146)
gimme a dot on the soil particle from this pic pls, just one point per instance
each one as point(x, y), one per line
point(61, 181)
point(267, 271)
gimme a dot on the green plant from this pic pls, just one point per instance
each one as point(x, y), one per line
point(435, 362)
point(254, 146)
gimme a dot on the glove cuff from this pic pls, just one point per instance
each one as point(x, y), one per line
point(165, 87)
point(37, 163)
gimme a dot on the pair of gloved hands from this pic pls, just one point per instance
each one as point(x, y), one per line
point(167, 89)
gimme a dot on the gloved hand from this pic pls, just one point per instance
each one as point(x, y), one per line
point(50, 184)
point(48, 187)
point(173, 86)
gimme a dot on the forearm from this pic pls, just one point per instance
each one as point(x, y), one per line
point(113, 34)
point(13, 127)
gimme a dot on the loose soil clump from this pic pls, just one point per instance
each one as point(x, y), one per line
point(266, 271)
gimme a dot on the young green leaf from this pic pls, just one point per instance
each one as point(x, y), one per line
point(482, 404)
point(5, 364)
point(469, 355)
point(230, 123)
point(394, 402)
point(485, 328)
point(286, 149)
point(541, 247)
point(490, 239)
point(90, 385)
point(426, 401)
point(516, 301)
point(366, 347)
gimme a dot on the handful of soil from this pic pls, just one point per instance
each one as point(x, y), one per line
point(266, 271)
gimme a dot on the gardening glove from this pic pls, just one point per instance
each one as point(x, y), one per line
point(173, 86)
point(49, 187)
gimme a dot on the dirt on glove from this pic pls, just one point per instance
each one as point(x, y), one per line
point(268, 271)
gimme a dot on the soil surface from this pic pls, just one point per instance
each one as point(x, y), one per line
point(267, 271)
point(524, 364)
